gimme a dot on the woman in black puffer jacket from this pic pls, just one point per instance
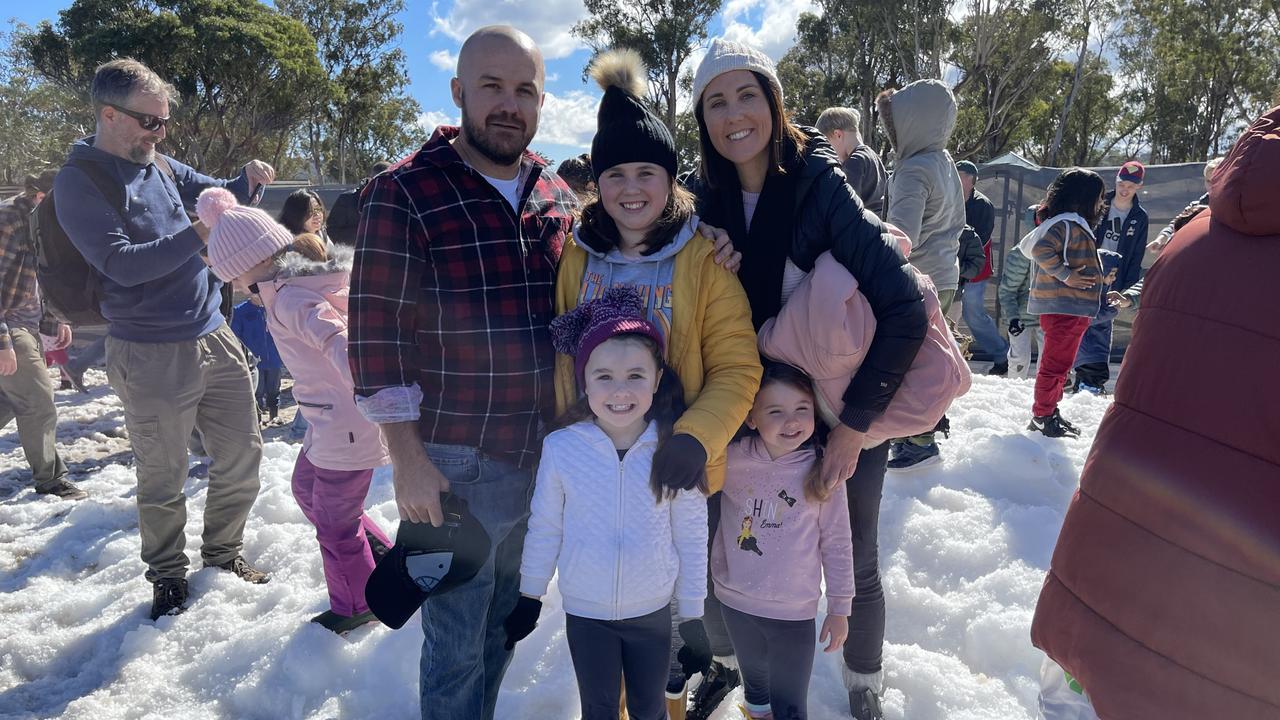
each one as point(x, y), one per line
point(779, 191)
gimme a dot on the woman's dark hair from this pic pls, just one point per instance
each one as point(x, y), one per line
point(599, 232)
point(668, 405)
point(785, 145)
point(1075, 190)
point(795, 378)
point(576, 173)
point(297, 208)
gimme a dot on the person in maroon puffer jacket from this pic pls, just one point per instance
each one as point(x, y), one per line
point(1163, 589)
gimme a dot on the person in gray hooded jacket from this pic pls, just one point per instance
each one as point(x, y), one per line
point(926, 200)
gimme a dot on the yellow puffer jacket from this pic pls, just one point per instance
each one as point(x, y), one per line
point(712, 347)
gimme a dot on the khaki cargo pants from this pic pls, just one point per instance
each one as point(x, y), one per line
point(27, 395)
point(167, 389)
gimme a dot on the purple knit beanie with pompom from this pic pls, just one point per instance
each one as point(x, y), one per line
point(620, 311)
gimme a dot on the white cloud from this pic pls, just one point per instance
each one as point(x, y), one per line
point(444, 60)
point(430, 119)
point(569, 119)
point(777, 23)
point(547, 22)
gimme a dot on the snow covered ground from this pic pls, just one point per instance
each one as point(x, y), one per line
point(964, 547)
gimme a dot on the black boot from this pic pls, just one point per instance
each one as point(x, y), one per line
point(1001, 368)
point(342, 624)
point(716, 685)
point(168, 597)
point(865, 705)
point(1053, 425)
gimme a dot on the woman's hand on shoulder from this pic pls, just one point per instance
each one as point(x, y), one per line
point(722, 244)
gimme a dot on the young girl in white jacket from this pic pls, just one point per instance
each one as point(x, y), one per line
point(622, 543)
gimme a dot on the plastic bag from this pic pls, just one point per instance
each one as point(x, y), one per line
point(1061, 697)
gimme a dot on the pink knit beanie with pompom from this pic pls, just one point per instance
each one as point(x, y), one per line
point(239, 237)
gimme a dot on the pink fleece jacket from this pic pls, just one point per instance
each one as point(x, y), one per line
point(811, 333)
point(775, 545)
point(306, 308)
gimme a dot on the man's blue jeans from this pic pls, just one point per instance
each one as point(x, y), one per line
point(974, 310)
point(463, 658)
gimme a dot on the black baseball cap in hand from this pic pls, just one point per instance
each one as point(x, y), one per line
point(427, 560)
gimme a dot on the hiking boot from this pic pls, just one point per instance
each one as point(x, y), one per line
point(242, 570)
point(341, 624)
point(63, 489)
point(168, 597)
point(909, 456)
point(1001, 369)
point(865, 705)
point(66, 384)
point(716, 685)
point(1054, 426)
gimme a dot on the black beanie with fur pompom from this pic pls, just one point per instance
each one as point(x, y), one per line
point(625, 129)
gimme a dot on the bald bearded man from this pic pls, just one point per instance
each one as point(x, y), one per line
point(451, 295)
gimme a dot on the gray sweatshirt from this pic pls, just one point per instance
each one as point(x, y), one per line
point(651, 276)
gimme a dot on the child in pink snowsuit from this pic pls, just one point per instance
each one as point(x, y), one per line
point(304, 294)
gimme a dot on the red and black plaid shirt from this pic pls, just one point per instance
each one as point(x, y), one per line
point(450, 293)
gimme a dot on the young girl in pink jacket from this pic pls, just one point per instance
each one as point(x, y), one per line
point(304, 294)
point(781, 531)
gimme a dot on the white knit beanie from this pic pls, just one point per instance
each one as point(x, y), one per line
point(239, 237)
point(726, 55)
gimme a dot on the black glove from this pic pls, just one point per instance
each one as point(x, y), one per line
point(522, 620)
point(1015, 326)
point(695, 656)
point(680, 462)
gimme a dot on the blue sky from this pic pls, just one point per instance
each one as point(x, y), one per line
point(433, 32)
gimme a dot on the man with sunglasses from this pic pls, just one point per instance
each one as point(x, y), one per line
point(170, 355)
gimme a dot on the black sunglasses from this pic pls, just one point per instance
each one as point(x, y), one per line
point(150, 123)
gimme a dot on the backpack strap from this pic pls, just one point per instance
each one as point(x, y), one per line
point(110, 187)
point(162, 162)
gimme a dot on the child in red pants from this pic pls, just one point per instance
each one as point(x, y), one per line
point(1066, 288)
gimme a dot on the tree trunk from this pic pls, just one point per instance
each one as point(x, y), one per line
point(1071, 96)
point(673, 88)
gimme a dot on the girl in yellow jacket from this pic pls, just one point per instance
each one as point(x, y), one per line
point(640, 232)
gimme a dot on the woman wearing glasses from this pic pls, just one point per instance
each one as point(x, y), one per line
point(303, 212)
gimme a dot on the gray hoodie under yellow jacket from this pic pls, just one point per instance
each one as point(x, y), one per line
point(925, 198)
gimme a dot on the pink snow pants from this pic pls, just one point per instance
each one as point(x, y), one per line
point(333, 500)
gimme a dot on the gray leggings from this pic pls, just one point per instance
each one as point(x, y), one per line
point(776, 660)
point(608, 652)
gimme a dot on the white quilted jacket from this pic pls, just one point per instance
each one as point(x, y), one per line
point(620, 553)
